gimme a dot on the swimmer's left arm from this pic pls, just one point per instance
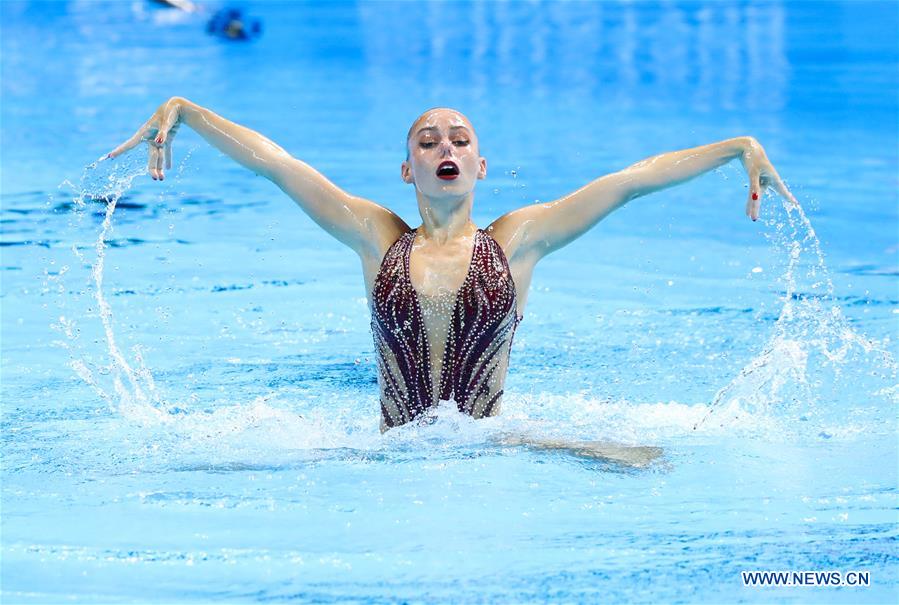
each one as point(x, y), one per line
point(535, 231)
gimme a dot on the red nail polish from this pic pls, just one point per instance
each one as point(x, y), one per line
point(755, 195)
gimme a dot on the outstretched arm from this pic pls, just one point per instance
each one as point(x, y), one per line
point(534, 231)
point(359, 223)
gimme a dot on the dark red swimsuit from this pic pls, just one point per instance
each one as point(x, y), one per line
point(478, 342)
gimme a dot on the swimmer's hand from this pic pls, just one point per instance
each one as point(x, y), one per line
point(158, 132)
point(761, 176)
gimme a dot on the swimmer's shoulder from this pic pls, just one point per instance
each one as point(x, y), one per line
point(510, 232)
point(382, 228)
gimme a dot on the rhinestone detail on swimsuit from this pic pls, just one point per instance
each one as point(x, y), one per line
point(479, 331)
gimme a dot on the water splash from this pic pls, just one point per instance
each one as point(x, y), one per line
point(134, 390)
point(810, 333)
point(812, 344)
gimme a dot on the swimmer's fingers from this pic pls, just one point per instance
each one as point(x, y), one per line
point(153, 162)
point(755, 193)
point(169, 141)
point(132, 142)
point(761, 176)
point(169, 118)
point(160, 163)
point(168, 154)
point(778, 185)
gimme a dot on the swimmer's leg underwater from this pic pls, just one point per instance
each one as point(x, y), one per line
point(624, 455)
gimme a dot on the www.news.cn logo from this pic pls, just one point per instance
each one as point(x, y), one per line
point(805, 578)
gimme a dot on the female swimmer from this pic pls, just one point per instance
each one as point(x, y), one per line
point(445, 297)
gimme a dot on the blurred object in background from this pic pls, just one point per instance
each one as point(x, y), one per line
point(232, 24)
point(185, 5)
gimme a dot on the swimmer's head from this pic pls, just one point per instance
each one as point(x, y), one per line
point(442, 154)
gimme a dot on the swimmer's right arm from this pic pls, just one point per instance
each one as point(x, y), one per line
point(357, 222)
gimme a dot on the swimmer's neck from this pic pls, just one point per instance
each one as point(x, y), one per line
point(445, 219)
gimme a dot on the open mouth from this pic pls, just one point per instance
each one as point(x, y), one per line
point(447, 171)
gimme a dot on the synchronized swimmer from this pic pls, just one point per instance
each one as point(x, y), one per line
point(447, 296)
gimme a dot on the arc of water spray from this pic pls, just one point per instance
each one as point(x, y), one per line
point(111, 191)
point(783, 358)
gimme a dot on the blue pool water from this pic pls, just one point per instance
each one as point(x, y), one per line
point(189, 402)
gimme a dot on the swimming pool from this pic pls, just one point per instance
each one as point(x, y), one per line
point(189, 406)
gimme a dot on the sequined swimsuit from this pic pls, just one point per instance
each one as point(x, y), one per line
point(478, 336)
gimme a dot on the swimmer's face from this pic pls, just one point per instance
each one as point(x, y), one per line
point(443, 155)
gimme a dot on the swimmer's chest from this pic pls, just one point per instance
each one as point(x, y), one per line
point(438, 271)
